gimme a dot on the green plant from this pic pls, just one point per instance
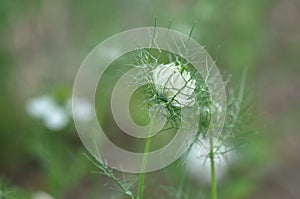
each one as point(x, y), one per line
point(170, 82)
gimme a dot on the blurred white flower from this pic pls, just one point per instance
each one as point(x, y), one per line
point(37, 107)
point(198, 162)
point(174, 84)
point(41, 195)
point(55, 116)
point(82, 108)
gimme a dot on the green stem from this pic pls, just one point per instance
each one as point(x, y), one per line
point(142, 174)
point(212, 170)
point(145, 158)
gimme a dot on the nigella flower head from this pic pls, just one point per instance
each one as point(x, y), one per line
point(174, 83)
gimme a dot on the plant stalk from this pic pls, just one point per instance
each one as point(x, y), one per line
point(145, 158)
point(212, 170)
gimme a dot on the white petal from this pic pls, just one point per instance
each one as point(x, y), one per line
point(83, 109)
point(42, 195)
point(37, 107)
point(170, 82)
point(56, 119)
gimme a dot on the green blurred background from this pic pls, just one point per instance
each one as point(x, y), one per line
point(43, 43)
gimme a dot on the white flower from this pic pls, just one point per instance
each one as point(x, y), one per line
point(41, 195)
point(38, 106)
point(54, 116)
point(82, 109)
point(174, 85)
point(198, 162)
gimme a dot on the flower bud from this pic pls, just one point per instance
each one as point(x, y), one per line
point(174, 84)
